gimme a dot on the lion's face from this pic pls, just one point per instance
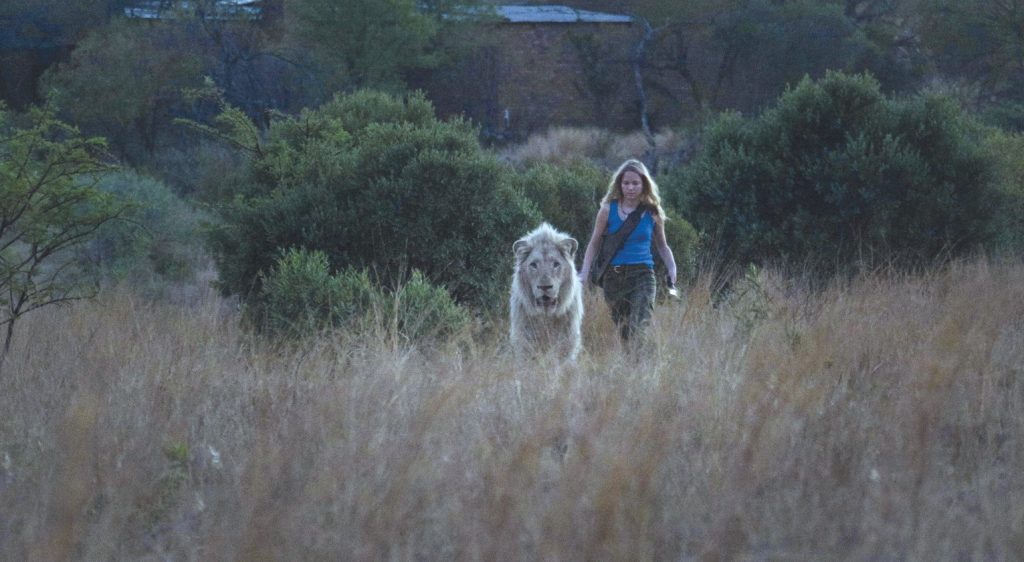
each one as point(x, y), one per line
point(546, 272)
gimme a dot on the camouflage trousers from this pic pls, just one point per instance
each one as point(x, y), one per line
point(630, 294)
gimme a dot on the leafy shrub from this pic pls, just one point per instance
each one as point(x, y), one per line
point(685, 244)
point(360, 109)
point(567, 196)
point(155, 235)
point(422, 310)
point(406, 192)
point(317, 146)
point(836, 172)
point(1006, 115)
point(300, 296)
point(1007, 151)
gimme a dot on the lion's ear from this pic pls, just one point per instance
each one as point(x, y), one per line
point(570, 245)
point(521, 248)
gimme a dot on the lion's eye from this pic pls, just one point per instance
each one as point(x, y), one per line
point(557, 265)
point(533, 264)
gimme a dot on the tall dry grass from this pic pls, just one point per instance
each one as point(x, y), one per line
point(565, 145)
point(880, 419)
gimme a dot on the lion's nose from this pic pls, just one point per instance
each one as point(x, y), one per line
point(545, 288)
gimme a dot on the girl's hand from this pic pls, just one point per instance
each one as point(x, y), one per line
point(671, 285)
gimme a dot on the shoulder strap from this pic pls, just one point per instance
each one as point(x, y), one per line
point(632, 220)
point(612, 243)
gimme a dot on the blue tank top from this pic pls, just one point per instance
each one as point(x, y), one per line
point(637, 248)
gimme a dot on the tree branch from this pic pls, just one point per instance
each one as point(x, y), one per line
point(637, 59)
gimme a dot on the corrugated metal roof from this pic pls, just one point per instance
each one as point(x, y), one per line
point(556, 14)
point(153, 9)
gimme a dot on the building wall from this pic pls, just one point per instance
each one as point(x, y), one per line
point(526, 77)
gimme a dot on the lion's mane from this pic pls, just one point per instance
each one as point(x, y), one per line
point(546, 301)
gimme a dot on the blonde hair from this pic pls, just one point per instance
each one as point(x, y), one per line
point(650, 195)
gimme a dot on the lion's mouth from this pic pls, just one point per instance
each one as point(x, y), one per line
point(547, 302)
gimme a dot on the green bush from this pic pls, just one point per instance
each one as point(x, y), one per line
point(401, 194)
point(155, 235)
point(360, 109)
point(1007, 151)
point(685, 244)
point(567, 196)
point(300, 296)
point(1007, 115)
point(422, 311)
point(837, 173)
point(319, 145)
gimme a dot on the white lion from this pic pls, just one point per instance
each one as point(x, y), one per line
point(546, 304)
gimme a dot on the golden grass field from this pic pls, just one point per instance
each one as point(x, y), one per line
point(879, 419)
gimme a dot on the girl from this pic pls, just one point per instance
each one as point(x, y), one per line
point(628, 281)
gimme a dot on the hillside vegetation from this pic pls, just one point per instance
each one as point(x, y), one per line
point(881, 418)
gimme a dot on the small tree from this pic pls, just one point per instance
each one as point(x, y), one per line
point(124, 81)
point(49, 205)
point(366, 43)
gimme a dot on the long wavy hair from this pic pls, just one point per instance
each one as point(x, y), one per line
point(650, 195)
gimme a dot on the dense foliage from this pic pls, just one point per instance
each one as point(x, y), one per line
point(837, 172)
point(379, 184)
point(685, 244)
point(1007, 152)
point(567, 196)
point(977, 45)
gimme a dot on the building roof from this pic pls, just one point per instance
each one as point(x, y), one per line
point(556, 14)
point(227, 9)
point(507, 13)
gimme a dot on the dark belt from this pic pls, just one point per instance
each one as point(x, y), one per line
point(628, 267)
